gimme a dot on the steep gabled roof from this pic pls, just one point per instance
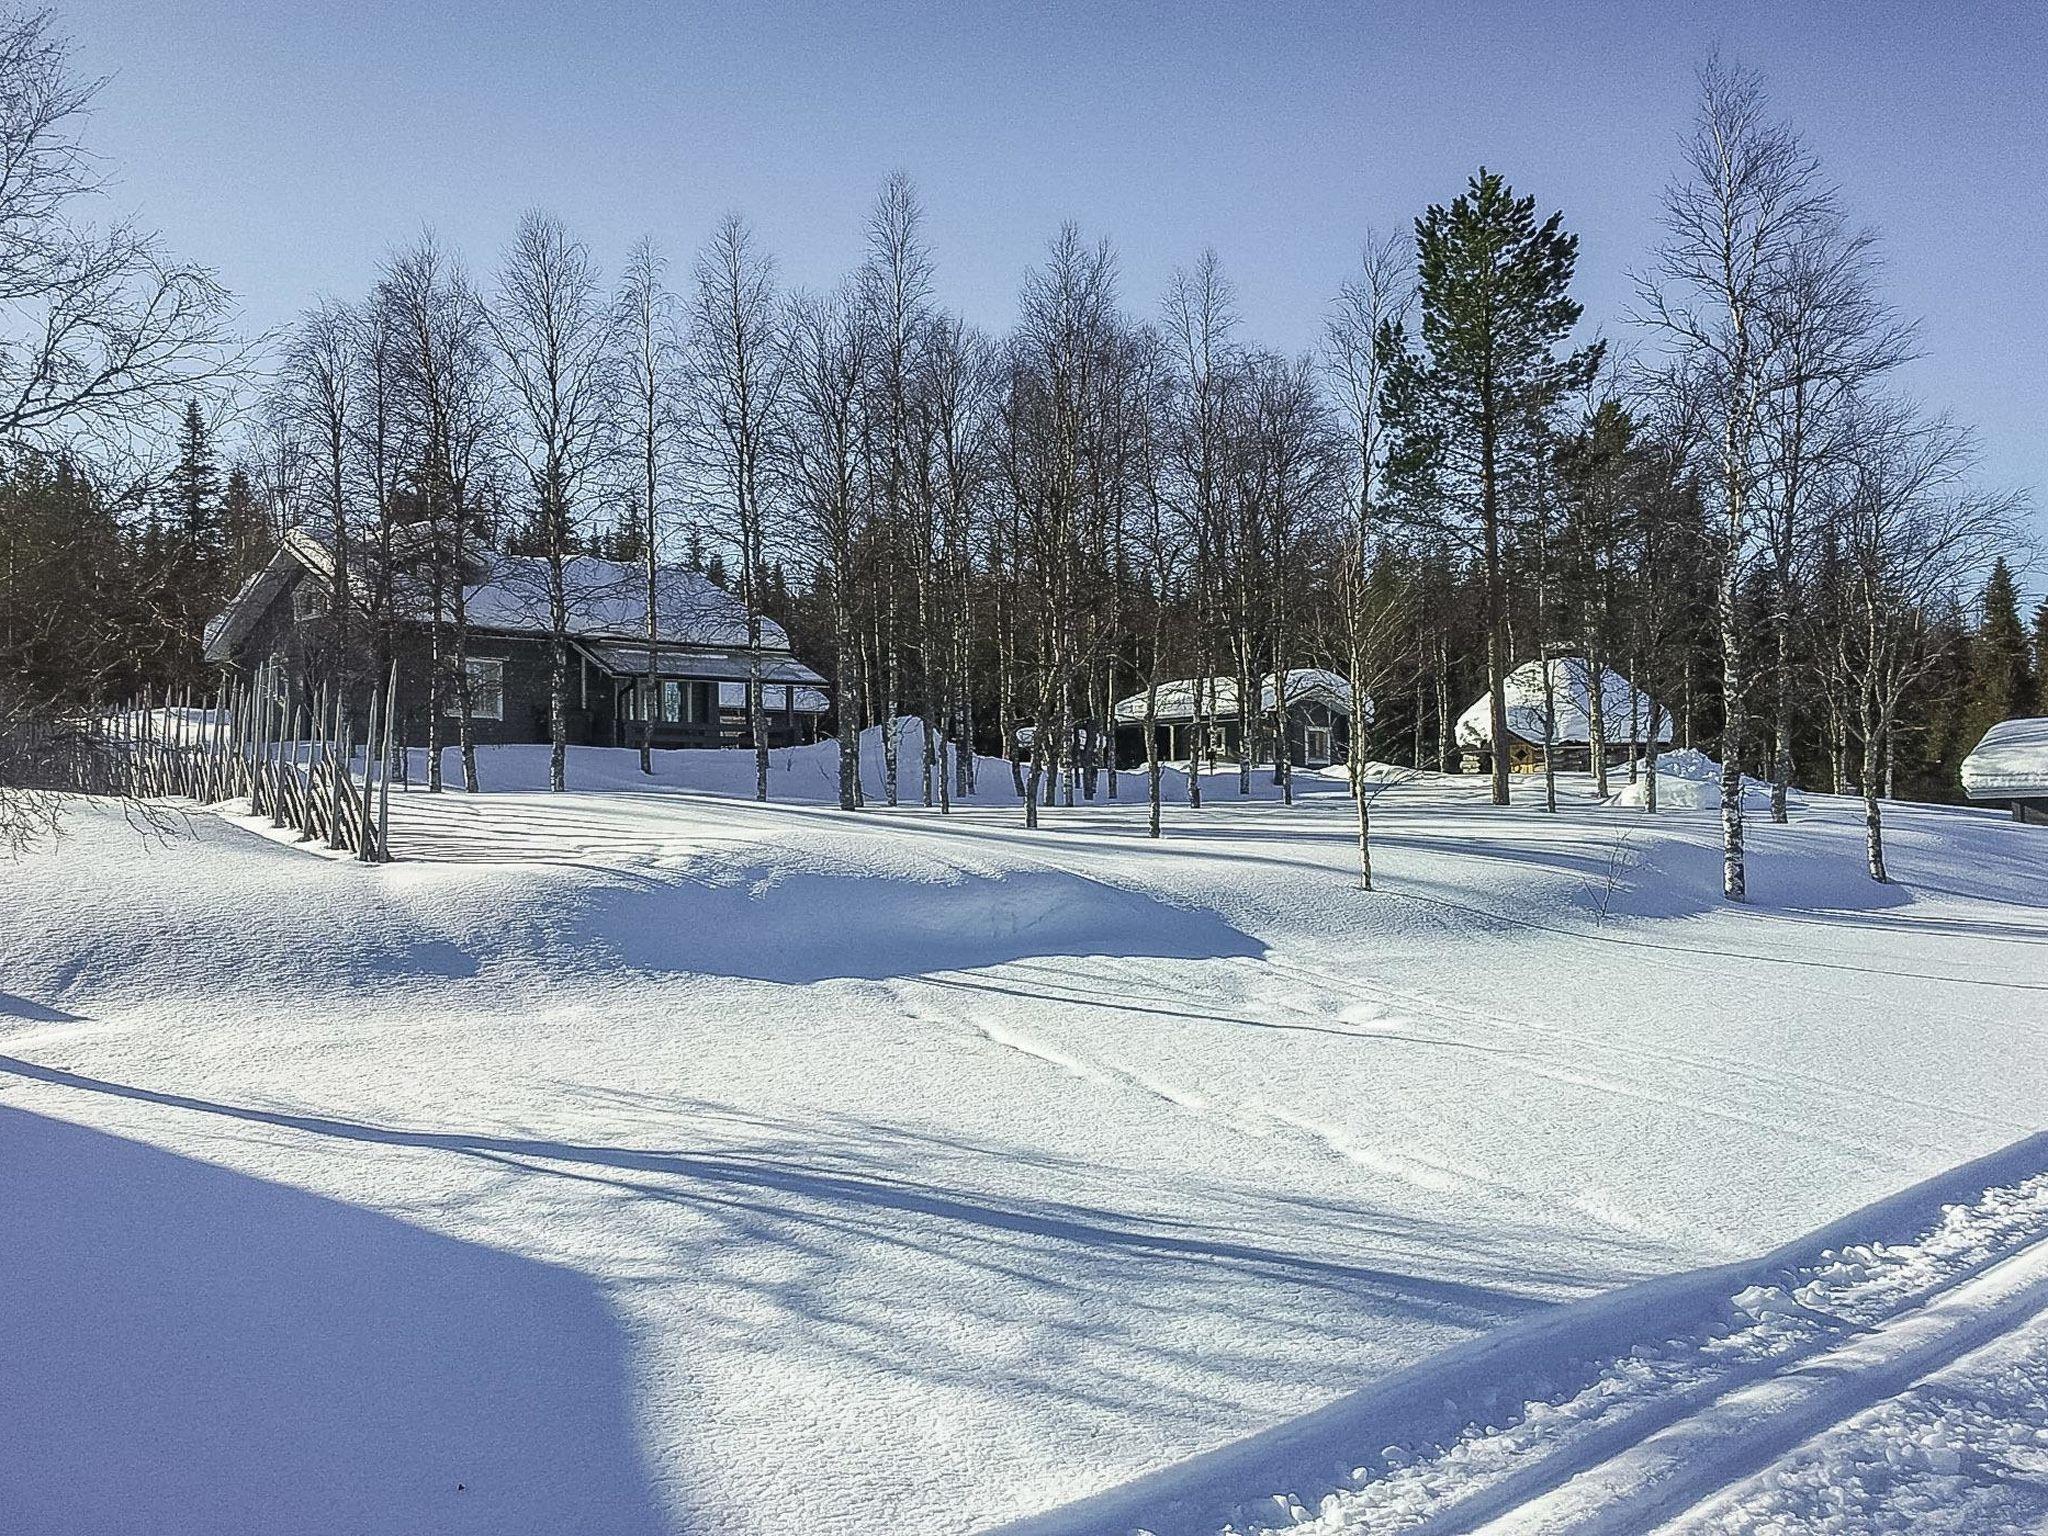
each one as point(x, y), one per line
point(299, 551)
point(2010, 763)
point(1622, 705)
point(606, 600)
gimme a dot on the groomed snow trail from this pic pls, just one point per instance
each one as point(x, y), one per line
point(1816, 1388)
point(644, 1159)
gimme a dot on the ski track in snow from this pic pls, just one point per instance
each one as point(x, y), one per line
point(1820, 1387)
point(916, 1173)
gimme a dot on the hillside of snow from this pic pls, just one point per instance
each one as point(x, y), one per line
point(643, 1159)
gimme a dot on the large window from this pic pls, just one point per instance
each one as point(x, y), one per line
point(677, 701)
point(486, 689)
point(309, 600)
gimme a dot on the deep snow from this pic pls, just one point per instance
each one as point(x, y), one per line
point(642, 1159)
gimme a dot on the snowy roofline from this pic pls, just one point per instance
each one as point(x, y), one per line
point(1625, 708)
point(606, 600)
point(1176, 698)
point(2011, 762)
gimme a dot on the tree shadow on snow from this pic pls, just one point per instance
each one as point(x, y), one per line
point(191, 1349)
point(844, 1240)
point(14, 1007)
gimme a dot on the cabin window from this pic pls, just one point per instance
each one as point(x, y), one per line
point(309, 601)
point(1318, 744)
point(486, 689)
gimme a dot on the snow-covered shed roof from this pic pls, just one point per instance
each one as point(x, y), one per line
point(628, 660)
point(606, 600)
point(1176, 699)
point(2010, 763)
point(1625, 709)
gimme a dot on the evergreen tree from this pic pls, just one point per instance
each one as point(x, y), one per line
point(244, 537)
point(186, 555)
point(2001, 681)
point(1468, 413)
point(193, 491)
point(2041, 659)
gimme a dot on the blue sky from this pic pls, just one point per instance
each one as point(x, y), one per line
point(291, 144)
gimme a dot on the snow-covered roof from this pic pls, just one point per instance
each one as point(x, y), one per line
point(299, 550)
point(1176, 699)
point(1625, 709)
point(627, 660)
point(607, 599)
point(2011, 762)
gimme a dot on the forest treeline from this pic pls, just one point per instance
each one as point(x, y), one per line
point(1721, 493)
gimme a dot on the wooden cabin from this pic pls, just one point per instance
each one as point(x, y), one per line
point(1199, 717)
point(284, 618)
point(1625, 719)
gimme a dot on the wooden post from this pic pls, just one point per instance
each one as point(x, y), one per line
point(384, 782)
point(366, 827)
point(337, 775)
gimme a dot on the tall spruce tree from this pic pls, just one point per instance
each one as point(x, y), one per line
point(2041, 658)
point(190, 568)
point(1468, 411)
point(2002, 680)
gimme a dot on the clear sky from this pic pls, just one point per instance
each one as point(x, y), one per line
point(291, 144)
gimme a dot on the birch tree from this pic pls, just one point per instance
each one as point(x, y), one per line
point(1749, 197)
point(553, 332)
point(649, 397)
point(827, 370)
point(738, 362)
point(1362, 338)
point(1915, 534)
point(445, 378)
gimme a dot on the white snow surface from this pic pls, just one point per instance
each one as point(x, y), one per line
point(2012, 759)
point(1687, 780)
point(644, 1159)
point(1625, 709)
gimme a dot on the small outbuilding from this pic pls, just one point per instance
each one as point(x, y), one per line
point(1320, 707)
point(1624, 708)
point(2009, 767)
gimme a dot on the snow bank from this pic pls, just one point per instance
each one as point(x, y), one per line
point(1689, 780)
point(931, 1174)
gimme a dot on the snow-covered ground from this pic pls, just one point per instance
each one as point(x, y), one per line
point(643, 1159)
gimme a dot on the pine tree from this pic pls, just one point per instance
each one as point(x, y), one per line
point(189, 565)
point(2001, 681)
point(2041, 659)
point(194, 489)
point(1468, 413)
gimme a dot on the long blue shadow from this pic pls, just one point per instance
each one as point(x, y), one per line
point(188, 1349)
